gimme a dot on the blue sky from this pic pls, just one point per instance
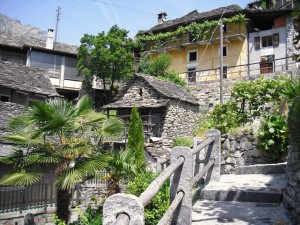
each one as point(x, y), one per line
point(92, 16)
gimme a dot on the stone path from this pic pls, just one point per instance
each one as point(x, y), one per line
point(253, 199)
point(238, 213)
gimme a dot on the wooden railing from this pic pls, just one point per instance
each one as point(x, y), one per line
point(128, 209)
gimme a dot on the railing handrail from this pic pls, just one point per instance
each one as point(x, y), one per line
point(117, 212)
point(155, 185)
point(203, 144)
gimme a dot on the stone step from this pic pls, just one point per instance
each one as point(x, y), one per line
point(277, 168)
point(239, 213)
point(265, 188)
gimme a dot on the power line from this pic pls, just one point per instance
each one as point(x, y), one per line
point(123, 7)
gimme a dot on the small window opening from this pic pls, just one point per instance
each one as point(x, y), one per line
point(141, 92)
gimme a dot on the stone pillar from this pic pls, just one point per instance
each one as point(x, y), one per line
point(214, 151)
point(182, 180)
point(123, 203)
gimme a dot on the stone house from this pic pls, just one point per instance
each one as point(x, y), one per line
point(58, 59)
point(167, 111)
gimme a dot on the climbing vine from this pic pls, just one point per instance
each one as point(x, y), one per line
point(199, 31)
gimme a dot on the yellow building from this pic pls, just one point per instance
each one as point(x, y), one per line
point(193, 41)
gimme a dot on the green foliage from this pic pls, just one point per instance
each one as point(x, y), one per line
point(89, 217)
point(200, 31)
point(273, 136)
point(136, 140)
point(183, 141)
point(160, 64)
point(158, 67)
point(159, 204)
point(173, 77)
point(248, 101)
point(291, 90)
point(108, 56)
point(58, 134)
point(252, 96)
point(225, 117)
point(294, 124)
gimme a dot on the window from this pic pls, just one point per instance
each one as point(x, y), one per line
point(266, 41)
point(4, 98)
point(225, 72)
point(256, 42)
point(225, 51)
point(191, 75)
point(225, 27)
point(52, 63)
point(266, 64)
point(275, 40)
point(192, 56)
point(70, 69)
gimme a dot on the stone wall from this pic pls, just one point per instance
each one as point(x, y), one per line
point(240, 150)
point(40, 216)
point(292, 192)
point(7, 110)
point(180, 120)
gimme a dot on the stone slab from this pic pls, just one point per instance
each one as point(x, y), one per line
point(246, 188)
point(277, 168)
point(239, 213)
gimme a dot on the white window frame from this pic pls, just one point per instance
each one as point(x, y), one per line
point(188, 56)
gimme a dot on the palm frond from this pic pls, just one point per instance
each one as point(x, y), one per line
point(292, 90)
point(24, 139)
point(20, 178)
point(41, 158)
point(69, 178)
point(112, 128)
point(20, 123)
point(94, 164)
point(84, 105)
point(14, 157)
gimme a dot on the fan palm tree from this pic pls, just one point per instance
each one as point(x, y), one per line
point(57, 133)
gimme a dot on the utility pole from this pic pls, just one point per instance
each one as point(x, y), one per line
point(221, 61)
point(57, 20)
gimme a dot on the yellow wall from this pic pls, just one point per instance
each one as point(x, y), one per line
point(208, 57)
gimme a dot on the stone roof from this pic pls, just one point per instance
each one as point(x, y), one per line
point(13, 40)
point(167, 90)
point(26, 79)
point(195, 16)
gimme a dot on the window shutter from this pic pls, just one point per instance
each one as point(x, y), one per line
point(257, 42)
point(275, 39)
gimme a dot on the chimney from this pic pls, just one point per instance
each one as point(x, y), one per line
point(161, 17)
point(50, 39)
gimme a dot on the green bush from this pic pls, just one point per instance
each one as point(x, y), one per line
point(173, 77)
point(225, 116)
point(183, 141)
point(90, 217)
point(159, 204)
point(273, 136)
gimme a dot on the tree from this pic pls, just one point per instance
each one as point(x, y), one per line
point(136, 140)
point(158, 67)
point(108, 57)
point(56, 133)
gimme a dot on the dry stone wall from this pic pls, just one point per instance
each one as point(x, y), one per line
point(240, 150)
